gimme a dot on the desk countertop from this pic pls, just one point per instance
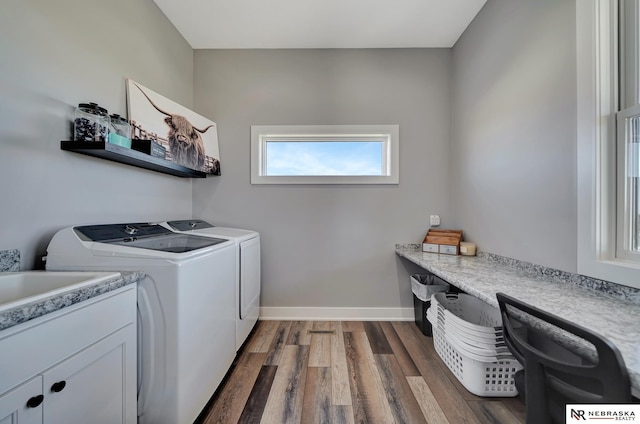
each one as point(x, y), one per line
point(605, 308)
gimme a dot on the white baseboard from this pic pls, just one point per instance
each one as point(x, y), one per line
point(336, 314)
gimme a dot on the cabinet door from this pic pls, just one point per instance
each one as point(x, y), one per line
point(97, 385)
point(22, 405)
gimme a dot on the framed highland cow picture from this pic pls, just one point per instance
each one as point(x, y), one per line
point(190, 139)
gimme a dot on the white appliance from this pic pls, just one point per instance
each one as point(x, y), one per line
point(186, 313)
point(247, 269)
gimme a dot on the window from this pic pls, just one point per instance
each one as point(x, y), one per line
point(628, 210)
point(628, 136)
point(607, 130)
point(325, 154)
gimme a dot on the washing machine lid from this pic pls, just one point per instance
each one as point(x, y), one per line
point(145, 236)
point(198, 226)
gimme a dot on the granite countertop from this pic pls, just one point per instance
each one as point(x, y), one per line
point(605, 308)
point(27, 312)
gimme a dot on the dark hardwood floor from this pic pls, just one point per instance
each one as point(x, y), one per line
point(348, 372)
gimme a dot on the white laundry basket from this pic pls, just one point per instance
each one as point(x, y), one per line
point(484, 367)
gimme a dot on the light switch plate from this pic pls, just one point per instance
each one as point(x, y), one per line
point(434, 220)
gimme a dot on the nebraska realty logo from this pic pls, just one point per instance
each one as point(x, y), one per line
point(602, 413)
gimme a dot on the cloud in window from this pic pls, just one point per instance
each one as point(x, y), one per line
point(327, 158)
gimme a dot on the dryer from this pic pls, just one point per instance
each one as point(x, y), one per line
point(186, 313)
point(247, 278)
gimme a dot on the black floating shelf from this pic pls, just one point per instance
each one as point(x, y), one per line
point(113, 152)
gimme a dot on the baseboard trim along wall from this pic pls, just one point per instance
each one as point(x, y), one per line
point(336, 314)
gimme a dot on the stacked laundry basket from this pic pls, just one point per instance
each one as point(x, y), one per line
point(467, 335)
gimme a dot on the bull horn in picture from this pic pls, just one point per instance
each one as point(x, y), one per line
point(151, 101)
point(204, 130)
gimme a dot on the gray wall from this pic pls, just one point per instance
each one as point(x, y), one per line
point(328, 246)
point(487, 140)
point(514, 131)
point(54, 55)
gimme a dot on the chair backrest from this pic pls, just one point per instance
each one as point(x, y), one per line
point(553, 379)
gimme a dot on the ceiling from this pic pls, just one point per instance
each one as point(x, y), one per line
point(278, 24)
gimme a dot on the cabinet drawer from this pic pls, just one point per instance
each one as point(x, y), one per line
point(34, 346)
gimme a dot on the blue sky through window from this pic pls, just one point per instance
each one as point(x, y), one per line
point(324, 158)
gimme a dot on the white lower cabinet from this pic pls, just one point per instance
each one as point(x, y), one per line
point(77, 365)
point(22, 405)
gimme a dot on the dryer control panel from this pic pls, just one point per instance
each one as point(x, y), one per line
point(189, 224)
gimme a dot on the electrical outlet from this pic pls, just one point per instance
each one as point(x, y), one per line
point(434, 220)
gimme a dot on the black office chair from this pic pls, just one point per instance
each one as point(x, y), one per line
point(554, 376)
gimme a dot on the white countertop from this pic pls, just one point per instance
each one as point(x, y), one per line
point(611, 314)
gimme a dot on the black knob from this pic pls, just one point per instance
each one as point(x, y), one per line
point(130, 229)
point(35, 401)
point(59, 386)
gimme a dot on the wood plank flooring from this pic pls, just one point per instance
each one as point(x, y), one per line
point(348, 372)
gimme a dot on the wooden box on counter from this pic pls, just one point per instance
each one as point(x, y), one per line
point(442, 241)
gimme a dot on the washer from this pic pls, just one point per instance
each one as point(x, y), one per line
point(186, 313)
point(247, 269)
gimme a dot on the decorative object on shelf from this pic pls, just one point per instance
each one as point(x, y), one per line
point(442, 241)
point(149, 147)
point(120, 131)
point(91, 123)
point(190, 140)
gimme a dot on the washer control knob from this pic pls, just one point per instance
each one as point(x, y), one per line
point(130, 229)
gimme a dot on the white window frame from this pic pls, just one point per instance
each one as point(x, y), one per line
point(387, 134)
point(597, 103)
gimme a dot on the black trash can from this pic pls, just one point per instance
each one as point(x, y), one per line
point(423, 286)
